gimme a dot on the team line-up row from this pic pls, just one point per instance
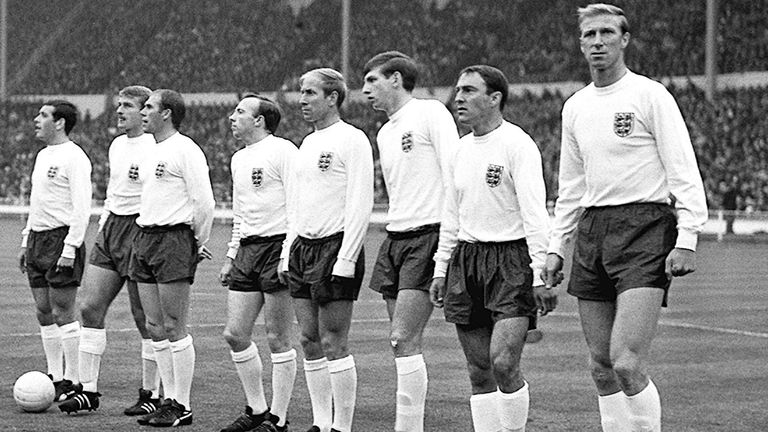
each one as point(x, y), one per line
point(467, 231)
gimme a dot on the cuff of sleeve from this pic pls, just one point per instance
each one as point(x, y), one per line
point(344, 268)
point(283, 264)
point(24, 241)
point(537, 278)
point(68, 251)
point(441, 269)
point(555, 246)
point(232, 252)
point(686, 239)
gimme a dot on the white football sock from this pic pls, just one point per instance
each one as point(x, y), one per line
point(249, 367)
point(485, 412)
point(165, 367)
point(513, 409)
point(70, 342)
point(150, 378)
point(283, 377)
point(183, 356)
point(51, 337)
point(645, 410)
point(344, 386)
point(319, 387)
point(93, 342)
point(411, 393)
point(614, 414)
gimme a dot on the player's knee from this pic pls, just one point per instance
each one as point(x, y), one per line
point(602, 372)
point(156, 330)
point(235, 340)
point(506, 366)
point(626, 364)
point(92, 315)
point(333, 347)
point(278, 342)
point(481, 378)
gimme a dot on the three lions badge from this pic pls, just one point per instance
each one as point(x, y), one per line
point(406, 142)
point(623, 123)
point(133, 173)
point(160, 169)
point(257, 176)
point(325, 161)
point(493, 175)
point(52, 171)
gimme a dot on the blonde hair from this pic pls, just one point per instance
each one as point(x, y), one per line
point(596, 9)
point(331, 81)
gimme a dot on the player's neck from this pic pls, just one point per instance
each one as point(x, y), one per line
point(326, 121)
point(257, 136)
point(487, 124)
point(398, 101)
point(57, 139)
point(134, 132)
point(164, 134)
point(608, 76)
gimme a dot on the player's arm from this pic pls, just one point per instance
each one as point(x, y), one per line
point(528, 177)
point(110, 192)
point(357, 210)
point(572, 185)
point(683, 178)
point(80, 189)
point(445, 137)
point(234, 244)
point(289, 187)
point(200, 192)
point(449, 229)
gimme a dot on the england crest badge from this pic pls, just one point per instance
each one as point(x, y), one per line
point(160, 169)
point(257, 175)
point(133, 173)
point(325, 161)
point(52, 171)
point(406, 142)
point(493, 175)
point(623, 123)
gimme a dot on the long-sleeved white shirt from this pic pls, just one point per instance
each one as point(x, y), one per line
point(627, 143)
point(177, 188)
point(261, 186)
point(334, 189)
point(126, 156)
point(415, 147)
point(61, 194)
point(496, 194)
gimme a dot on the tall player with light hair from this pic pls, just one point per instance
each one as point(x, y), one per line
point(625, 151)
point(107, 271)
point(334, 199)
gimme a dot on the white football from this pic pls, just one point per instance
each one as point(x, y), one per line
point(33, 391)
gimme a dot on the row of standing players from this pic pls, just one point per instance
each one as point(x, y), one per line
point(468, 231)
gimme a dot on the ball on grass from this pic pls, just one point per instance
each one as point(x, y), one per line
point(33, 392)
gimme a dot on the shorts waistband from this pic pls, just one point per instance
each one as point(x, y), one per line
point(424, 229)
point(52, 230)
point(254, 239)
point(501, 243)
point(159, 229)
point(331, 237)
point(628, 206)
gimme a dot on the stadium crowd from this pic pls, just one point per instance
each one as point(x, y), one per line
point(730, 137)
point(199, 46)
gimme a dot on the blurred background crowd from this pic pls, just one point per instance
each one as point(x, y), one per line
point(198, 46)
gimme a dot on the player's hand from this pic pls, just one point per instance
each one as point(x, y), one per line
point(437, 291)
point(680, 262)
point(65, 264)
point(224, 273)
point(203, 253)
point(23, 260)
point(282, 275)
point(552, 274)
point(546, 299)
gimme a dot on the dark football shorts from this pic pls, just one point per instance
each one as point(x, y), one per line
point(405, 261)
point(112, 249)
point(255, 267)
point(310, 266)
point(43, 252)
point(622, 247)
point(164, 254)
point(488, 282)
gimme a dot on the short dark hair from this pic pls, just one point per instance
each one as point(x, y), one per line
point(269, 109)
point(395, 61)
point(495, 80)
point(172, 100)
point(140, 93)
point(64, 110)
point(597, 9)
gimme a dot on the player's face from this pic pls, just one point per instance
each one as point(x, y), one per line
point(473, 103)
point(602, 41)
point(128, 114)
point(45, 126)
point(377, 88)
point(243, 118)
point(152, 114)
point(315, 104)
